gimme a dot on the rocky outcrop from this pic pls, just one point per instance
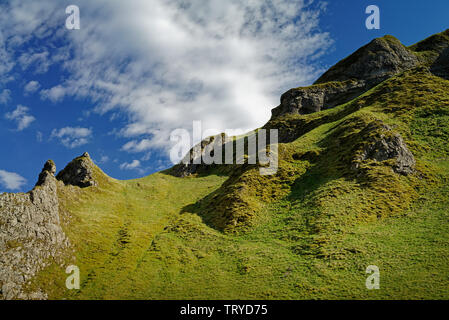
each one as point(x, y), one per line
point(318, 97)
point(30, 235)
point(385, 145)
point(48, 170)
point(379, 60)
point(79, 172)
point(370, 65)
point(193, 160)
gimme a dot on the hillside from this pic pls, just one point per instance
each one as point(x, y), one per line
point(362, 180)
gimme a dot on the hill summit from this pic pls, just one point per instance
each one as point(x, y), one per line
point(362, 180)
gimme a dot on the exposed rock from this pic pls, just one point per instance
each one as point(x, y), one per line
point(49, 170)
point(79, 172)
point(388, 145)
point(192, 162)
point(30, 234)
point(211, 152)
point(318, 97)
point(377, 61)
point(183, 170)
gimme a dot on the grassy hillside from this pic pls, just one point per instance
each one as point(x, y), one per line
point(307, 233)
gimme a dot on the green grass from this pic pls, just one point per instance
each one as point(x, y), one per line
point(112, 226)
point(308, 232)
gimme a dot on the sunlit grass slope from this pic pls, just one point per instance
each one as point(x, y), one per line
point(307, 233)
point(112, 226)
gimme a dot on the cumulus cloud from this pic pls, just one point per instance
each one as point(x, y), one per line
point(135, 164)
point(222, 62)
point(55, 94)
point(21, 117)
point(5, 96)
point(31, 87)
point(72, 137)
point(11, 180)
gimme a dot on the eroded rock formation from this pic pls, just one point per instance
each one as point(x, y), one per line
point(79, 172)
point(385, 145)
point(370, 65)
point(30, 235)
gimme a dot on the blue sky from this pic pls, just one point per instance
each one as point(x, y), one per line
point(138, 69)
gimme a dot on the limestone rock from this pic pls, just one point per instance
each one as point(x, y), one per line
point(389, 145)
point(377, 61)
point(79, 172)
point(192, 162)
point(30, 235)
point(48, 170)
point(318, 97)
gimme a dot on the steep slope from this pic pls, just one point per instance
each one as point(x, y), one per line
point(112, 226)
point(340, 206)
point(362, 180)
point(31, 233)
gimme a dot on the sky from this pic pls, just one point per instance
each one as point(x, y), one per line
point(136, 70)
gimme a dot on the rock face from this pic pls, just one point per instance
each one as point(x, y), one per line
point(370, 65)
point(48, 170)
point(192, 162)
point(30, 234)
point(377, 61)
point(79, 172)
point(387, 145)
point(315, 98)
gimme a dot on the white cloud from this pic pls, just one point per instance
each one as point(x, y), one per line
point(31, 87)
point(146, 157)
point(55, 94)
point(22, 22)
point(72, 137)
point(5, 96)
point(40, 61)
point(135, 164)
point(11, 180)
point(223, 62)
point(21, 117)
point(103, 160)
point(138, 146)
